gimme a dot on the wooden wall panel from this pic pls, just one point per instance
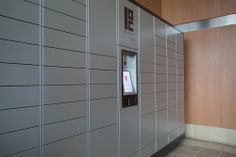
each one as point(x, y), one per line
point(153, 5)
point(210, 86)
point(172, 11)
point(227, 7)
point(229, 76)
point(203, 78)
point(182, 11)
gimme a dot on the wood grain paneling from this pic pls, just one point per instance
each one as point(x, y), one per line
point(182, 11)
point(227, 7)
point(210, 86)
point(229, 76)
point(153, 5)
point(203, 78)
point(172, 11)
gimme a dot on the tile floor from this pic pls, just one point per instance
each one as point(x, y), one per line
point(195, 148)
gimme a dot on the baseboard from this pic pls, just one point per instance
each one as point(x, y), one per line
point(169, 147)
point(211, 134)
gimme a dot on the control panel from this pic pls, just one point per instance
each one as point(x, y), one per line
point(129, 79)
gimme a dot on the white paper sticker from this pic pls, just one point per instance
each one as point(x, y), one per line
point(127, 82)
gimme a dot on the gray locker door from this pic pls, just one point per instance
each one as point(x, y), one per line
point(129, 131)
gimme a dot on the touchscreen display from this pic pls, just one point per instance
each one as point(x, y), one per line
point(127, 83)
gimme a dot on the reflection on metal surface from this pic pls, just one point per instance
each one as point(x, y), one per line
point(205, 24)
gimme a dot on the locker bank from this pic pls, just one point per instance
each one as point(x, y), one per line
point(117, 78)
